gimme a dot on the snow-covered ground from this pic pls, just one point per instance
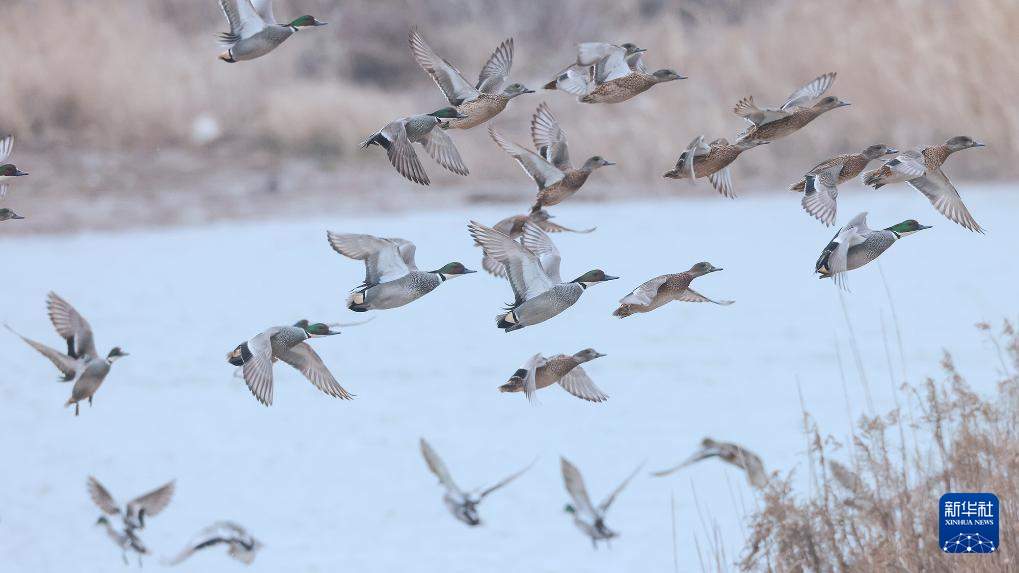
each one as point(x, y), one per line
point(330, 485)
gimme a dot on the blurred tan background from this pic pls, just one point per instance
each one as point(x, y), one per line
point(113, 100)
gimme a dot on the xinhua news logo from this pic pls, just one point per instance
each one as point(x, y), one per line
point(969, 522)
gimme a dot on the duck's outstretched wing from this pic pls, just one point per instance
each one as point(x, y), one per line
point(101, 497)
point(550, 227)
point(306, 361)
point(6, 147)
point(438, 467)
point(68, 366)
point(696, 147)
point(645, 293)
point(505, 481)
point(690, 295)
point(151, 503)
point(721, 180)
point(257, 369)
point(578, 383)
point(609, 60)
point(809, 91)
point(945, 198)
point(243, 19)
point(71, 326)
point(440, 146)
point(497, 69)
point(449, 79)
point(264, 10)
point(574, 483)
point(537, 167)
point(820, 197)
point(757, 116)
point(383, 258)
point(535, 240)
point(523, 267)
point(401, 153)
point(849, 236)
point(549, 138)
point(615, 493)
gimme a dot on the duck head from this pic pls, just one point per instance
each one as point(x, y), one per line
point(960, 142)
point(587, 355)
point(9, 170)
point(632, 49)
point(703, 268)
point(453, 269)
point(667, 75)
point(907, 227)
point(115, 354)
point(305, 22)
point(829, 103)
point(596, 162)
point(316, 330)
point(513, 90)
point(593, 277)
point(6, 213)
point(879, 150)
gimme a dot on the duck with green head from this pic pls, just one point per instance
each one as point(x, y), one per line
point(398, 136)
point(287, 343)
point(8, 171)
point(856, 244)
point(254, 31)
point(587, 517)
point(392, 278)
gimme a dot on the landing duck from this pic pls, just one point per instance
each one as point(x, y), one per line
point(920, 168)
point(532, 267)
point(799, 109)
point(550, 167)
point(398, 136)
point(287, 343)
point(8, 171)
point(665, 289)
point(563, 369)
point(856, 244)
point(730, 453)
point(82, 363)
point(239, 543)
point(710, 160)
point(392, 278)
point(587, 517)
point(480, 102)
point(607, 73)
point(254, 31)
point(463, 505)
point(819, 185)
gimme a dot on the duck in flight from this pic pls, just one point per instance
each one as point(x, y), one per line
point(254, 31)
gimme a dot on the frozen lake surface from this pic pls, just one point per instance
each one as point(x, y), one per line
point(330, 485)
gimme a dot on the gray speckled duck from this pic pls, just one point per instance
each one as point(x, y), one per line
point(82, 363)
point(287, 343)
point(463, 505)
point(254, 31)
point(480, 102)
point(665, 289)
point(532, 267)
point(587, 517)
point(856, 244)
point(540, 372)
point(396, 138)
point(392, 278)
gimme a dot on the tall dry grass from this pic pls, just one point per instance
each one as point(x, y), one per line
point(110, 74)
point(873, 504)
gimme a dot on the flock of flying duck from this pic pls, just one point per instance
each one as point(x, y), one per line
point(517, 248)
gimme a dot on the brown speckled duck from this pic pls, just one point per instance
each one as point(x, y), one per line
point(550, 167)
point(480, 102)
point(769, 124)
point(921, 169)
point(662, 290)
point(540, 372)
point(820, 198)
point(712, 161)
point(606, 73)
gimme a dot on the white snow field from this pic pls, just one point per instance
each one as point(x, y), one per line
point(330, 485)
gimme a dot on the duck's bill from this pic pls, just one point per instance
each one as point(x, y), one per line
point(20, 173)
point(16, 217)
point(716, 269)
point(320, 23)
point(844, 103)
point(979, 144)
point(528, 91)
point(922, 227)
point(610, 163)
point(609, 278)
point(469, 271)
point(891, 150)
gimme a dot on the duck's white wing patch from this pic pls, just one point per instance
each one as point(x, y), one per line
point(70, 324)
point(258, 369)
point(848, 237)
point(549, 138)
point(820, 197)
point(264, 10)
point(645, 293)
point(575, 80)
point(304, 358)
point(495, 71)
point(945, 198)
point(101, 497)
point(574, 483)
point(243, 19)
point(438, 467)
point(721, 180)
point(696, 147)
point(6, 147)
point(541, 171)
point(578, 383)
point(402, 155)
point(905, 166)
point(690, 295)
point(615, 493)
point(440, 146)
point(523, 268)
point(407, 251)
point(449, 79)
point(152, 502)
point(68, 366)
point(384, 258)
point(530, 380)
point(536, 241)
point(505, 481)
point(609, 60)
point(810, 91)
